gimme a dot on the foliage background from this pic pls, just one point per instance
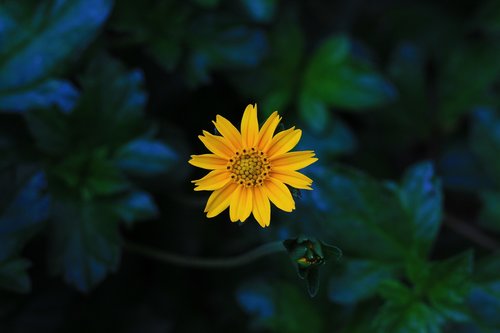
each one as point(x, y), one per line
point(101, 102)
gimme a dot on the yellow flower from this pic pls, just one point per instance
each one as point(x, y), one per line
point(251, 167)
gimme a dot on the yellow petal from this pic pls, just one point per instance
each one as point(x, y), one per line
point(233, 208)
point(216, 144)
point(293, 161)
point(261, 208)
point(283, 142)
point(228, 131)
point(267, 130)
point(279, 194)
point(214, 180)
point(250, 127)
point(245, 203)
point(219, 200)
point(292, 178)
point(208, 161)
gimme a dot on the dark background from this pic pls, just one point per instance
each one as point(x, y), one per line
point(101, 103)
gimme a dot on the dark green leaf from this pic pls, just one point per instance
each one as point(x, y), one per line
point(111, 105)
point(145, 157)
point(357, 280)
point(55, 32)
point(335, 78)
point(136, 206)
point(13, 275)
point(280, 308)
point(490, 214)
point(274, 82)
point(420, 194)
point(23, 215)
point(484, 297)
point(50, 128)
point(85, 243)
point(348, 201)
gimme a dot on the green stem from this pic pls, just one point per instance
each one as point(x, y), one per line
point(177, 259)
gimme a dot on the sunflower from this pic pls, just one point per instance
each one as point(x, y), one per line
point(250, 167)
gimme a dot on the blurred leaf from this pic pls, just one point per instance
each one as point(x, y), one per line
point(421, 195)
point(90, 174)
point(22, 217)
point(484, 141)
point(145, 157)
point(207, 3)
point(135, 206)
point(335, 78)
point(85, 242)
point(436, 296)
point(56, 32)
point(490, 213)
point(357, 280)
point(274, 82)
point(464, 85)
point(221, 43)
point(484, 297)
point(260, 10)
point(279, 308)
point(337, 139)
point(488, 16)
point(348, 201)
point(160, 27)
point(111, 104)
point(13, 275)
point(50, 128)
point(461, 170)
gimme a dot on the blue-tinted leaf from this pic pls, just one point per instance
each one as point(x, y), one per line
point(347, 201)
point(217, 44)
point(136, 206)
point(85, 243)
point(145, 157)
point(335, 78)
point(36, 39)
point(51, 92)
point(23, 216)
point(13, 275)
point(111, 105)
point(260, 10)
point(274, 82)
point(421, 196)
point(358, 280)
point(279, 307)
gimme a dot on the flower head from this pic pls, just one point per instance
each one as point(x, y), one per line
point(250, 167)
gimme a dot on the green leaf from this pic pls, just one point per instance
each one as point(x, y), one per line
point(279, 307)
point(111, 104)
point(135, 206)
point(145, 157)
point(490, 212)
point(22, 217)
point(56, 32)
point(85, 242)
point(464, 85)
point(13, 275)
point(221, 43)
point(484, 141)
point(421, 196)
point(50, 128)
point(335, 78)
point(484, 297)
point(275, 81)
point(357, 280)
point(437, 295)
point(347, 201)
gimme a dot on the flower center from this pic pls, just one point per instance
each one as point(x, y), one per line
point(249, 167)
